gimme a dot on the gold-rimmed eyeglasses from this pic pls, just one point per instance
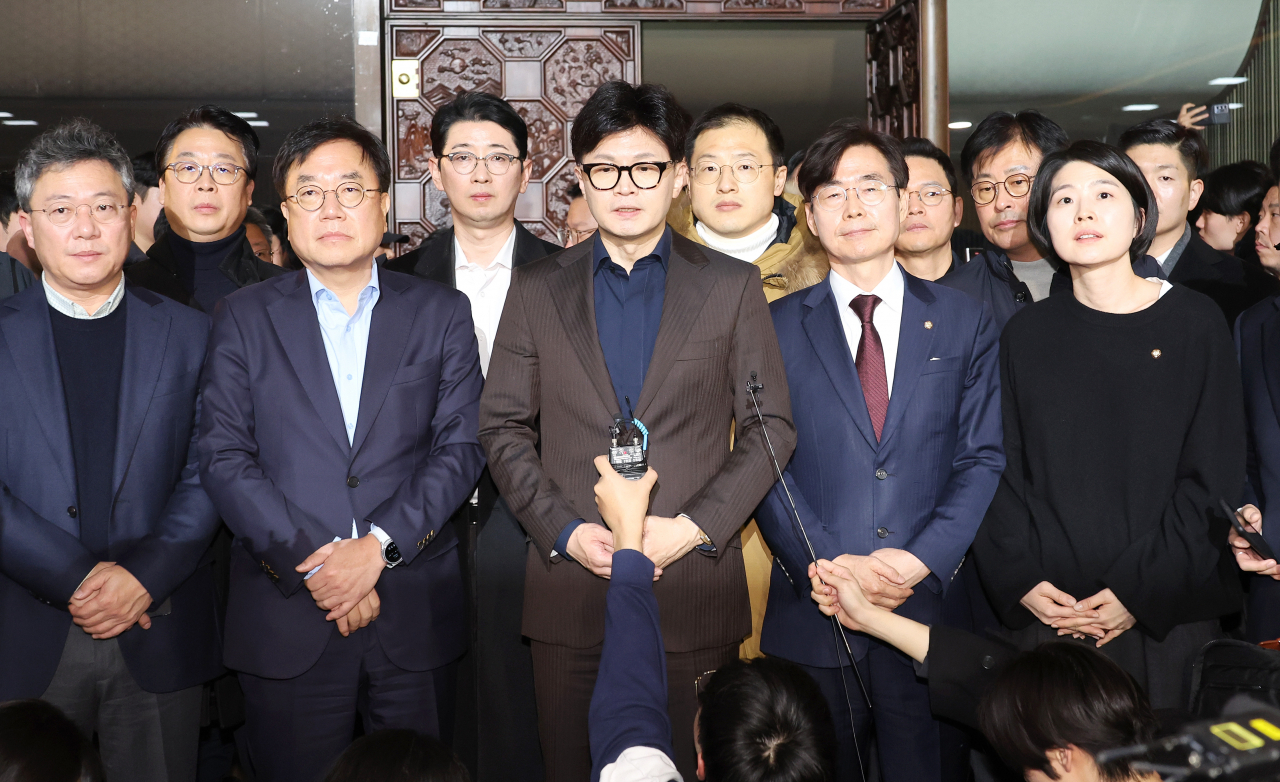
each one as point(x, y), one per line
point(1016, 186)
point(929, 196)
point(349, 194)
point(496, 163)
point(64, 212)
point(187, 172)
point(833, 197)
point(745, 171)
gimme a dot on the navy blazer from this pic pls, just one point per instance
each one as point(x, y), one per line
point(924, 487)
point(161, 520)
point(275, 458)
point(1258, 345)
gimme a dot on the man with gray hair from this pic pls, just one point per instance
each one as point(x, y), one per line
point(106, 595)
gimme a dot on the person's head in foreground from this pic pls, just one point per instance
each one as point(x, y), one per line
point(397, 756)
point(1091, 207)
point(38, 743)
point(764, 720)
point(1052, 710)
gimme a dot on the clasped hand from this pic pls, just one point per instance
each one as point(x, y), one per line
point(1101, 616)
point(109, 601)
point(345, 585)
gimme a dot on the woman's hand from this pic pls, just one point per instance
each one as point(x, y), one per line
point(1054, 607)
point(1113, 618)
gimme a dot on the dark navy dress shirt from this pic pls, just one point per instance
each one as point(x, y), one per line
point(628, 313)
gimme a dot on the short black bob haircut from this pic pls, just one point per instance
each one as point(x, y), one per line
point(1064, 693)
point(914, 146)
point(397, 756)
point(730, 113)
point(616, 107)
point(304, 140)
point(478, 107)
point(1237, 188)
point(1115, 163)
point(1000, 129)
point(765, 720)
point(217, 118)
point(1166, 132)
point(824, 155)
point(38, 743)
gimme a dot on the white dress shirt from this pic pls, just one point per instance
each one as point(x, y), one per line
point(887, 317)
point(73, 309)
point(486, 287)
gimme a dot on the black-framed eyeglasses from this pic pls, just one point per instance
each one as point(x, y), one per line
point(745, 171)
point(833, 197)
point(496, 163)
point(929, 196)
point(64, 212)
point(187, 172)
point(349, 194)
point(1016, 186)
point(606, 176)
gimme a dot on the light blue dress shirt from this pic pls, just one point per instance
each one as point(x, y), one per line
point(346, 343)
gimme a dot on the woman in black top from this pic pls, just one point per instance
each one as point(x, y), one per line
point(1123, 426)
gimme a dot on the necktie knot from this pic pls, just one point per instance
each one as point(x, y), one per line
point(864, 305)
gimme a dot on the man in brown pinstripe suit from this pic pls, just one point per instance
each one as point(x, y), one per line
point(637, 321)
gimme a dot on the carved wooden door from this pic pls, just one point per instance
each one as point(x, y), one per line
point(893, 71)
point(546, 71)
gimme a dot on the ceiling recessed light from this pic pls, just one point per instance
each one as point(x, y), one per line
point(961, 125)
point(1140, 107)
point(1235, 105)
point(1223, 81)
point(259, 123)
point(246, 114)
point(5, 114)
point(21, 122)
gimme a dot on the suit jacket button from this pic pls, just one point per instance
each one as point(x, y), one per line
point(881, 474)
point(422, 543)
point(353, 481)
point(883, 532)
point(72, 512)
point(987, 662)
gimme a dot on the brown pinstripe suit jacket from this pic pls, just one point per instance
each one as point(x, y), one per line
point(547, 406)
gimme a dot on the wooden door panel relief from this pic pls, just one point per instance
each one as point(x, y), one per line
point(893, 71)
point(545, 71)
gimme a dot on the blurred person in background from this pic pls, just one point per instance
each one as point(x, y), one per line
point(1173, 159)
point(578, 222)
point(14, 276)
point(1230, 205)
point(146, 196)
point(258, 231)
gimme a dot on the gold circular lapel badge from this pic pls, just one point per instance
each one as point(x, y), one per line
point(1156, 353)
point(928, 324)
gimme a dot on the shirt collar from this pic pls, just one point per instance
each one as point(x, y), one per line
point(1171, 257)
point(890, 290)
point(318, 288)
point(73, 309)
point(503, 258)
point(599, 255)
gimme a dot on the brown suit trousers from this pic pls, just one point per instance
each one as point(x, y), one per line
point(545, 414)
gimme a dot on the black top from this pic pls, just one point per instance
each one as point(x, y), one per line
point(91, 360)
point(198, 264)
point(1121, 433)
point(164, 273)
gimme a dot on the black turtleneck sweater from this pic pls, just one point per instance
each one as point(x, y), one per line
point(198, 264)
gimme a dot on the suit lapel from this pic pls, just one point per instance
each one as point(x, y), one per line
point(1196, 262)
point(29, 335)
point(389, 331)
point(573, 287)
point(822, 324)
point(688, 285)
point(296, 324)
point(529, 248)
point(437, 260)
point(146, 338)
point(914, 344)
point(1270, 355)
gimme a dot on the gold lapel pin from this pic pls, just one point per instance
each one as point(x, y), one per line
point(1156, 353)
point(928, 324)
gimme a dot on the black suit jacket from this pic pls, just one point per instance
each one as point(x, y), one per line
point(1233, 285)
point(159, 272)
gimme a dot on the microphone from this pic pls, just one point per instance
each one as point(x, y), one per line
point(754, 386)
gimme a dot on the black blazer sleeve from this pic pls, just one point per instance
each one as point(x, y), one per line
point(962, 667)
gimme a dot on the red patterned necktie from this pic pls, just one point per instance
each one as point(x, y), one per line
point(870, 362)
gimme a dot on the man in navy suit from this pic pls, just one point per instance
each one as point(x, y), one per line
point(896, 394)
point(106, 591)
point(338, 438)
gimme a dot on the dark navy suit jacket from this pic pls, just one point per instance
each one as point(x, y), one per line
point(274, 457)
point(1258, 342)
point(924, 487)
point(161, 521)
